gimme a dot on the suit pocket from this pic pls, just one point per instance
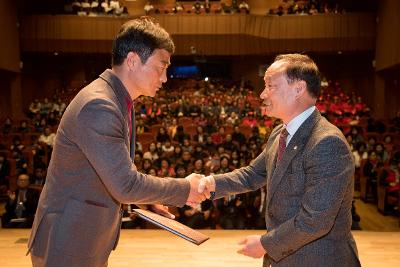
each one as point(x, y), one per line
point(83, 229)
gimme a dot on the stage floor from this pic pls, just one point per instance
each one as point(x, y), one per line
point(158, 248)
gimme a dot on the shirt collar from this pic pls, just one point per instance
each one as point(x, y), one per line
point(119, 88)
point(297, 121)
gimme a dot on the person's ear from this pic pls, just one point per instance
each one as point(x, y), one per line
point(132, 59)
point(300, 88)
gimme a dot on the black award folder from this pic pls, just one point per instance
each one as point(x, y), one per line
point(172, 226)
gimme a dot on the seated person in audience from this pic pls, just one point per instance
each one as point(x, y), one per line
point(138, 158)
point(232, 211)
point(371, 143)
point(120, 9)
point(200, 136)
point(225, 165)
point(199, 217)
point(177, 153)
point(199, 153)
point(187, 146)
point(197, 7)
point(387, 140)
point(180, 134)
point(152, 171)
point(237, 136)
point(146, 165)
point(250, 120)
point(76, 6)
point(40, 124)
point(313, 10)
point(165, 170)
point(16, 144)
point(396, 121)
point(167, 149)
point(371, 169)
point(23, 127)
point(361, 107)
point(162, 135)
point(209, 145)
point(207, 7)
point(171, 130)
point(210, 127)
point(152, 154)
point(198, 166)
point(34, 108)
point(219, 137)
point(45, 107)
point(233, 118)
point(244, 152)
point(148, 8)
point(180, 171)
point(228, 143)
point(244, 6)
point(200, 120)
point(7, 126)
point(390, 178)
point(39, 176)
point(186, 160)
point(178, 8)
point(356, 133)
point(141, 127)
point(21, 205)
point(4, 173)
point(52, 119)
point(235, 160)
point(47, 137)
point(359, 153)
point(381, 152)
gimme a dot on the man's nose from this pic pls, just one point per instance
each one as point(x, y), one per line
point(264, 93)
point(163, 77)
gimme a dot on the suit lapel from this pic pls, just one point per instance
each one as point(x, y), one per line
point(133, 143)
point(271, 160)
point(121, 93)
point(296, 144)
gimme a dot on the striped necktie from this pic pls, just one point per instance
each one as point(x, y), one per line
point(282, 144)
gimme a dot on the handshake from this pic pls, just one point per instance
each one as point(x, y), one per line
point(200, 188)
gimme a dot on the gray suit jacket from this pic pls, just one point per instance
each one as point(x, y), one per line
point(309, 195)
point(90, 174)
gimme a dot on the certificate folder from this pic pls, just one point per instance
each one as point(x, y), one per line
point(172, 226)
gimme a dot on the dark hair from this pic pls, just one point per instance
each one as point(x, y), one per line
point(302, 68)
point(142, 36)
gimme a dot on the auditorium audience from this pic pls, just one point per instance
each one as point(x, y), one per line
point(206, 127)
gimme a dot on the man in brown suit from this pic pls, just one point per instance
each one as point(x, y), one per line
point(91, 171)
point(307, 168)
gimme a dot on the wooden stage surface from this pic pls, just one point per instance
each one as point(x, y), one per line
point(158, 248)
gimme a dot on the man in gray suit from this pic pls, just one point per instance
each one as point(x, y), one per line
point(91, 171)
point(307, 168)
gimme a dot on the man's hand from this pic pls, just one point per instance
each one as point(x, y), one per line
point(11, 195)
point(207, 185)
point(162, 210)
point(252, 247)
point(194, 196)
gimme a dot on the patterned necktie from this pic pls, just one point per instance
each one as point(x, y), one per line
point(282, 144)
